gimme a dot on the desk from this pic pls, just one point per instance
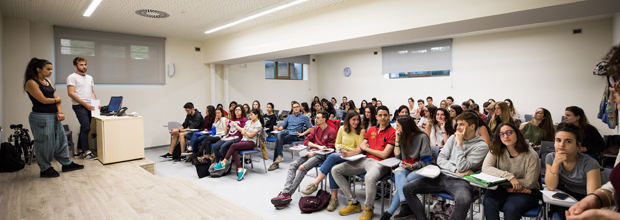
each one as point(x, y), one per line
point(118, 138)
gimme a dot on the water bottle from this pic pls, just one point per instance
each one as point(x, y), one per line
point(213, 131)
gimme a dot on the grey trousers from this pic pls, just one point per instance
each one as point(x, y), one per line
point(295, 175)
point(374, 171)
point(50, 141)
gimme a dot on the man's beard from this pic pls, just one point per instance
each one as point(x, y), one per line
point(82, 71)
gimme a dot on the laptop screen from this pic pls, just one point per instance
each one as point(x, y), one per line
point(115, 103)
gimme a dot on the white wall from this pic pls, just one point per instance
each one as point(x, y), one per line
point(249, 84)
point(158, 104)
point(616, 29)
point(546, 67)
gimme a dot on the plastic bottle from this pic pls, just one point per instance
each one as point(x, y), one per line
point(213, 132)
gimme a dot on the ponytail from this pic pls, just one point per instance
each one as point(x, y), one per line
point(31, 69)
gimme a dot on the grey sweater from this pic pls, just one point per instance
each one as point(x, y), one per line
point(467, 157)
point(418, 151)
point(525, 167)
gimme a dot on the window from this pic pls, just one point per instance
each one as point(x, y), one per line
point(112, 58)
point(427, 59)
point(284, 70)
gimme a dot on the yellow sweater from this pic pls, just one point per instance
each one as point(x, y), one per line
point(347, 141)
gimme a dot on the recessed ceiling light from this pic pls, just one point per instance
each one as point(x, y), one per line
point(150, 13)
point(255, 16)
point(91, 8)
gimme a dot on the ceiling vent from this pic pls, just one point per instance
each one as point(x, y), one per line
point(150, 13)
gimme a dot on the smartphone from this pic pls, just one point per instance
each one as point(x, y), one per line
point(561, 196)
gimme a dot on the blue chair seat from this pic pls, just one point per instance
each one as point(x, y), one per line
point(532, 212)
point(271, 139)
point(248, 151)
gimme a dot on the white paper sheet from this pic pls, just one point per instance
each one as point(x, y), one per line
point(354, 157)
point(97, 111)
point(487, 177)
point(430, 171)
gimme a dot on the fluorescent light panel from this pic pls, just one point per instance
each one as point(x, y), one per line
point(254, 16)
point(91, 8)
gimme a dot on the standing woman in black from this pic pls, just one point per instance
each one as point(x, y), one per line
point(49, 135)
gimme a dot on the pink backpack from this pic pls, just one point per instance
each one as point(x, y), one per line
point(309, 204)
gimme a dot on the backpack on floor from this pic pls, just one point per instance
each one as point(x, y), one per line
point(218, 173)
point(441, 211)
point(309, 204)
point(202, 169)
point(176, 153)
point(10, 158)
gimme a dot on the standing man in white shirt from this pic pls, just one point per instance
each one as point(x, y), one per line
point(80, 89)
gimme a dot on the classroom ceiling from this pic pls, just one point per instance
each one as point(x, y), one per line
point(188, 20)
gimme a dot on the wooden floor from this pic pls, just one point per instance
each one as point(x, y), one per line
point(116, 191)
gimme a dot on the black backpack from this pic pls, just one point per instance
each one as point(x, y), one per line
point(176, 153)
point(10, 158)
point(309, 204)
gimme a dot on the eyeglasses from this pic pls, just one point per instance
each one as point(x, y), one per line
point(507, 133)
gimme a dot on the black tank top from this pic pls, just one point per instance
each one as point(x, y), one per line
point(48, 92)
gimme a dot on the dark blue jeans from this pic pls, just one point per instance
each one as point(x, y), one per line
point(220, 148)
point(458, 188)
point(283, 138)
point(83, 116)
point(517, 203)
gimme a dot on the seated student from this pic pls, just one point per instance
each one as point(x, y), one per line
point(483, 128)
point(414, 150)
point(539, 129)
point(513, 111)
point(568, 169)
point(449, 101)
point(334, 102)
point(476, 108)
point(402, 110)
point(490, 109)
point(430, 101)
point(231, 107)
point(251, 133)
point(411, 106)
point(502, 114)
point(329, 108)
point(379, 103)
point(370, 118)
point(221, 128)
point(492, 101)
point(374, 101)
point(222, 107)
point(246, 109)
point(363, 106)
point(305, 109)
point(350, 105)
point(455, 111)
point(256, 105)
point(378, 144)
point(465, 105)
point(316, 99)
point(269, 119)
point(343, 104)
point(321, 137)
point(463, 154)
point(220, 148)
point(440, 128)
point(347, 140)
point(443, 104)
point(316, 107)
point(419, 112)
point(429, 114)
point(510, 157)
point(208, 123)
point(592, 143)
point(294, 125)
point(193, 120)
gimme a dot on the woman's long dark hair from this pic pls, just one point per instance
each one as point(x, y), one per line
point(372, 121)
point(583, 120)
point(497, 144)
point(457, 109)
point(211, 114)
point(347, 122)
point(398, 111)
point(410, 129)
point(448, 126)
point(260, 116)
point(31, 69)
point(547, 126)
point(306, 108)
point(233, 116)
